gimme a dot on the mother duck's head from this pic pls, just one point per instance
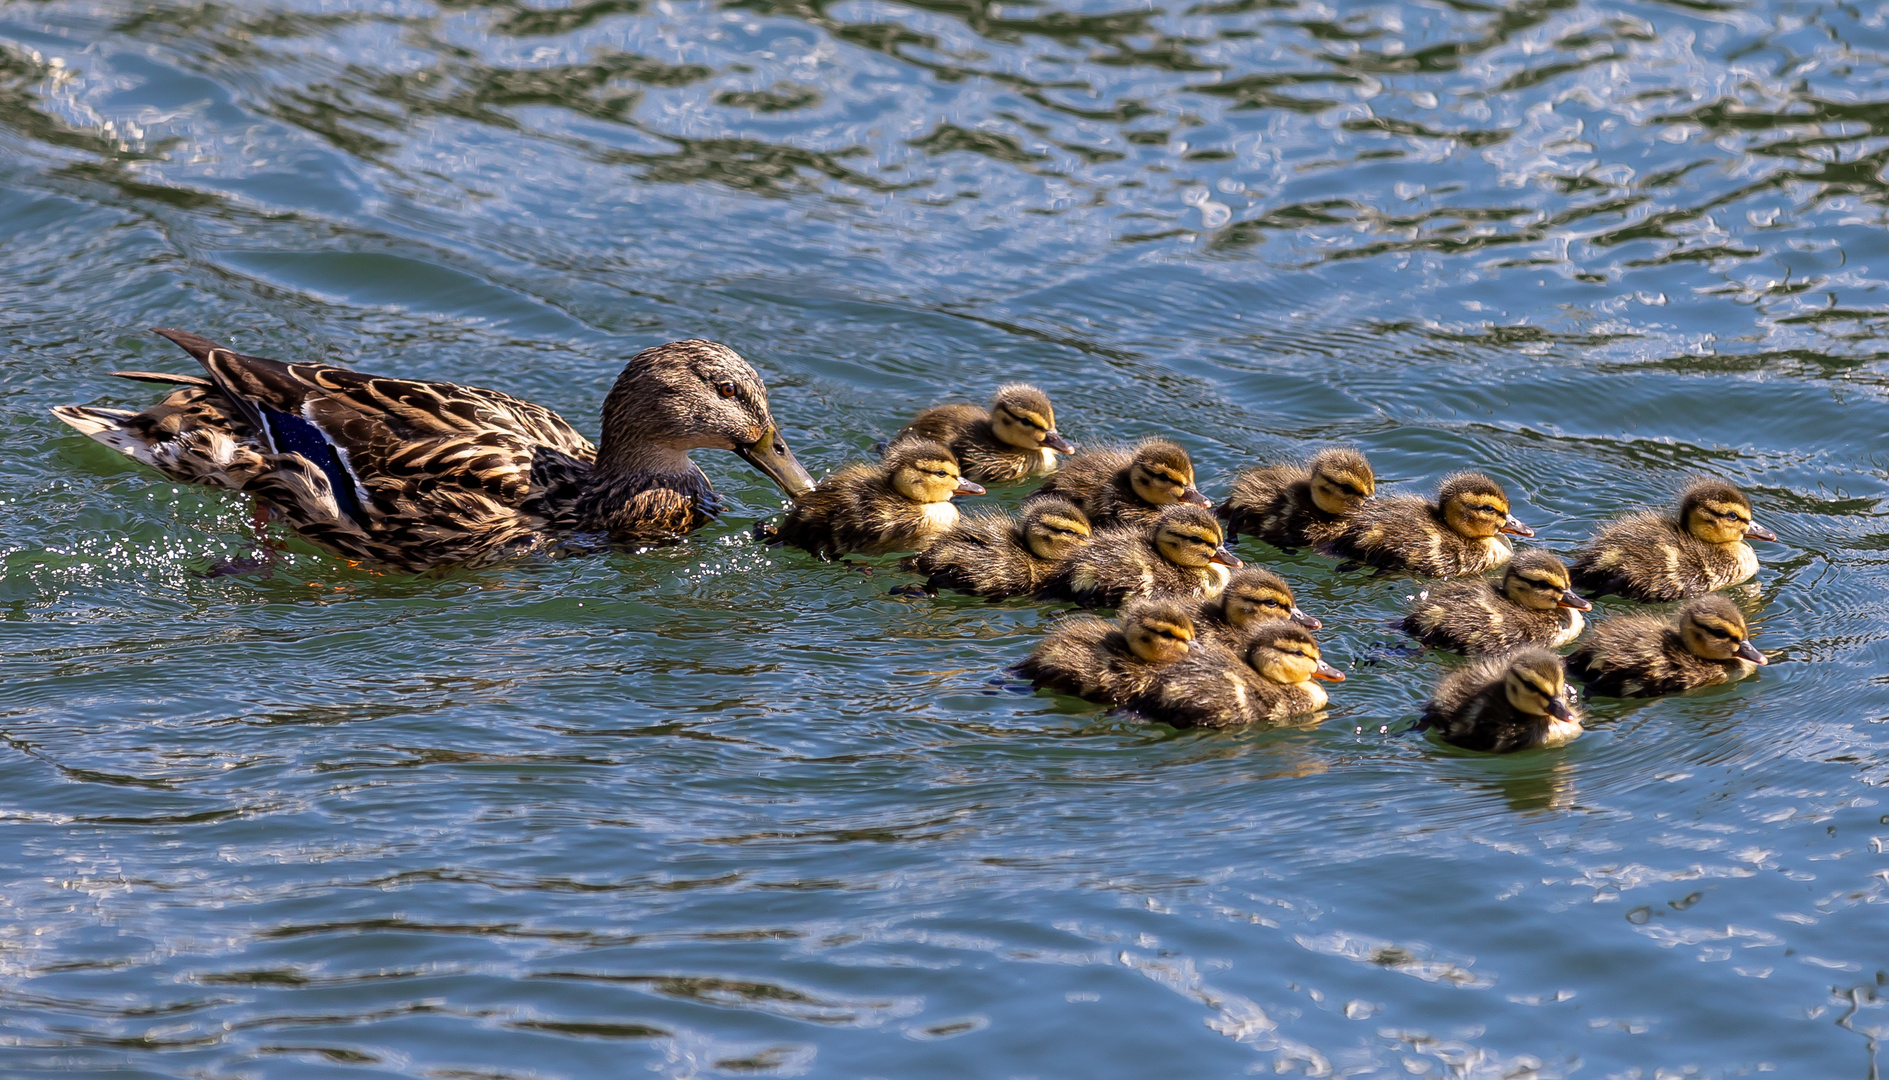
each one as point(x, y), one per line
point(694, 394)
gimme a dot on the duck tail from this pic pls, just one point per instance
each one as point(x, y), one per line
point(164, 378)
point(109, 426)
point(213, 357)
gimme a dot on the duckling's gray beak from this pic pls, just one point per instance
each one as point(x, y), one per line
point(1514, 527)
point(1558, 708)
point(1755, 531)
point(965, 487)
point(1570, 599)
point(1226, 558)
point(1310, 622)
point(1193, 495)
point(1053, 441)
point(769, 454)
point(1328, 673)
point(1747, 651)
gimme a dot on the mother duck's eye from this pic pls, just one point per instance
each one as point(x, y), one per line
point(726, 389)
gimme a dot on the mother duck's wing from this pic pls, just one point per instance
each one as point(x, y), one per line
point(405, 462)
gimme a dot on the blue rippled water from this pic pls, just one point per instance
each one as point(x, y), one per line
point(716, 810)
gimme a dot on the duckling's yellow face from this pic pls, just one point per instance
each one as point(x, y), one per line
point(1289, 655)
point(1190, 537)
point(1539, 581)
point(1162, 474)
point(1256, 601)
point(1022, 417)
point(1721, 520)
point(926, 472)
point(1056, 531)
point(1159, 633)
point(1476, 507)
point(1341, 481)
point(1537, 686)
point(1714, 628)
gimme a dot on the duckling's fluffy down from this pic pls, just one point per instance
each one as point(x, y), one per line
point(1122, 563)
point(986, 554)
point(1473, 617)
point(1214, 687)
point(860, 509)
point(1650, 556)
point(1408, 533)
point(1470, 708)
point(971, 434)
point(1088, 657)
point(1644, 656)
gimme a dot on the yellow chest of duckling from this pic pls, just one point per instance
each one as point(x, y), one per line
point(1744, 563)
point(939, 516)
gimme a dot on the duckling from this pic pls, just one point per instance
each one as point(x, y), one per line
point(1252, 598)
point(1515, 701)
point(1459, 533)
point(1274, 674)
point(1533, 606)
point(1015, 438)
point(898, 505)
point(1294, 506)
point(416, 475)
point(1702, 548)
point(1180, 555)
point(999, 557)
point(1088, 657)
point(1705, 644)
point(1125, 487)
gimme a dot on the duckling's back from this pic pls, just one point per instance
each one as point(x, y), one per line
point(1095, 481)
point(983, 555)
point(1646, 556)
point(1470, 708)
point(1403, 532)
point(1120, 564)
point(879, 520)
point(1642, 656)
point(1474, 618)
point(819, 521)
point(1213, 688)
point(943, 423)
point(1088, 658)
point(1274, 503)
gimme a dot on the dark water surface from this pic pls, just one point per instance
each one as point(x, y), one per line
point(719, 811)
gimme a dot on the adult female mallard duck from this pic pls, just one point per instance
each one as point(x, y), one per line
point(415, 475)
point(1109, 663)
point(1701, 548)
point(1274, 673)
point(1515, 701)
point(1705, 644)
point(1459, 533)
point(1016, 437)
point(1293, 506)
point(1125, 487)
point(997, 556)
point(1533, 606)
point(900, 504)
point(1180, 555)
point(1252, 598)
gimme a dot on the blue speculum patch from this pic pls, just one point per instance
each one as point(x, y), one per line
point(295, 435)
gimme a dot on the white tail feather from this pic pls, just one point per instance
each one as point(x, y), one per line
point(106, 426)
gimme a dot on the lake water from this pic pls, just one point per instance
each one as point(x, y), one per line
point(716, 810)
